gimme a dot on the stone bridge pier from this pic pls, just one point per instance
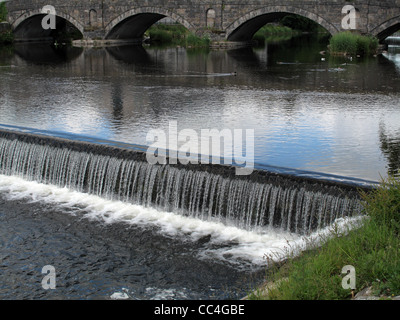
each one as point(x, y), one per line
point(232, 20)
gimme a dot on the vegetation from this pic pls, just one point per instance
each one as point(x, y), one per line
point(288, 26)
point(272, 31)
point(175, 34)
point(373, 249)
point(349, 43)
point(300, 23)
point(6, 37)
point(3, 11)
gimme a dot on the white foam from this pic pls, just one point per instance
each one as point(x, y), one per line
point(246, 245)
point(119, 296)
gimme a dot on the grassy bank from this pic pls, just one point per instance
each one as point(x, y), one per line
point(348, 43)
point(175, 34)
point(373, 249)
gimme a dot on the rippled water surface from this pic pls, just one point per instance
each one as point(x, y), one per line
point(309, 111)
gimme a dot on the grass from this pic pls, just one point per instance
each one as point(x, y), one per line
point(175, 35)
point(349, 43)
point(373, 249)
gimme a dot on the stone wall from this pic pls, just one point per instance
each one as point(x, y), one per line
point(4, 26)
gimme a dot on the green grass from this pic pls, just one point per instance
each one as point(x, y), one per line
point(353, 44)
point(175, 35)
point(373, 249)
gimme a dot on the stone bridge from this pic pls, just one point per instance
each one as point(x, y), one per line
point(233, 20)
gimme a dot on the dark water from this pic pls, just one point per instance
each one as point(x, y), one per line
point(93, 260)
point(309, 111)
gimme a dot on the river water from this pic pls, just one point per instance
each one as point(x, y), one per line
point(310, 112)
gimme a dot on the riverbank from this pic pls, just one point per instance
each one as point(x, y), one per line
point(372, 249)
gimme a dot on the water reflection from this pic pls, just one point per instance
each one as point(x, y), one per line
point(47, 54)
point(309, 111)
point(390, 145)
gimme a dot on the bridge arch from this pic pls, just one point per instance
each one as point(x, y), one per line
point(133, 23)
point(28, 25)
point(387, 28)
point(245, 27)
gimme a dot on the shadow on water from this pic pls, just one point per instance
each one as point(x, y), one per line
point(131, 54)
point(47, 54)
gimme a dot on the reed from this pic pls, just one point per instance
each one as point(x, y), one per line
point(349, 43)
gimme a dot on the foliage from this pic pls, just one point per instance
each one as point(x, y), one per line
point(300, 23)
point(353, 44)
point(175, 34)
point(6, 37)
point(272, 30)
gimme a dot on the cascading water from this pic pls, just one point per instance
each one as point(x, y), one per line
point(206, 192)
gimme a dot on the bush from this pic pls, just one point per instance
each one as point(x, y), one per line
point(353, 44)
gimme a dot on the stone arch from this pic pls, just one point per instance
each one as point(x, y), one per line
point(244, 28)
point(386, 28)
point(31, 13)
point(133, 23)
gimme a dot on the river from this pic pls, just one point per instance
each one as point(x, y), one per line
point(311, 113)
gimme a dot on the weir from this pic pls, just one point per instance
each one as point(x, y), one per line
point(209, 192)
